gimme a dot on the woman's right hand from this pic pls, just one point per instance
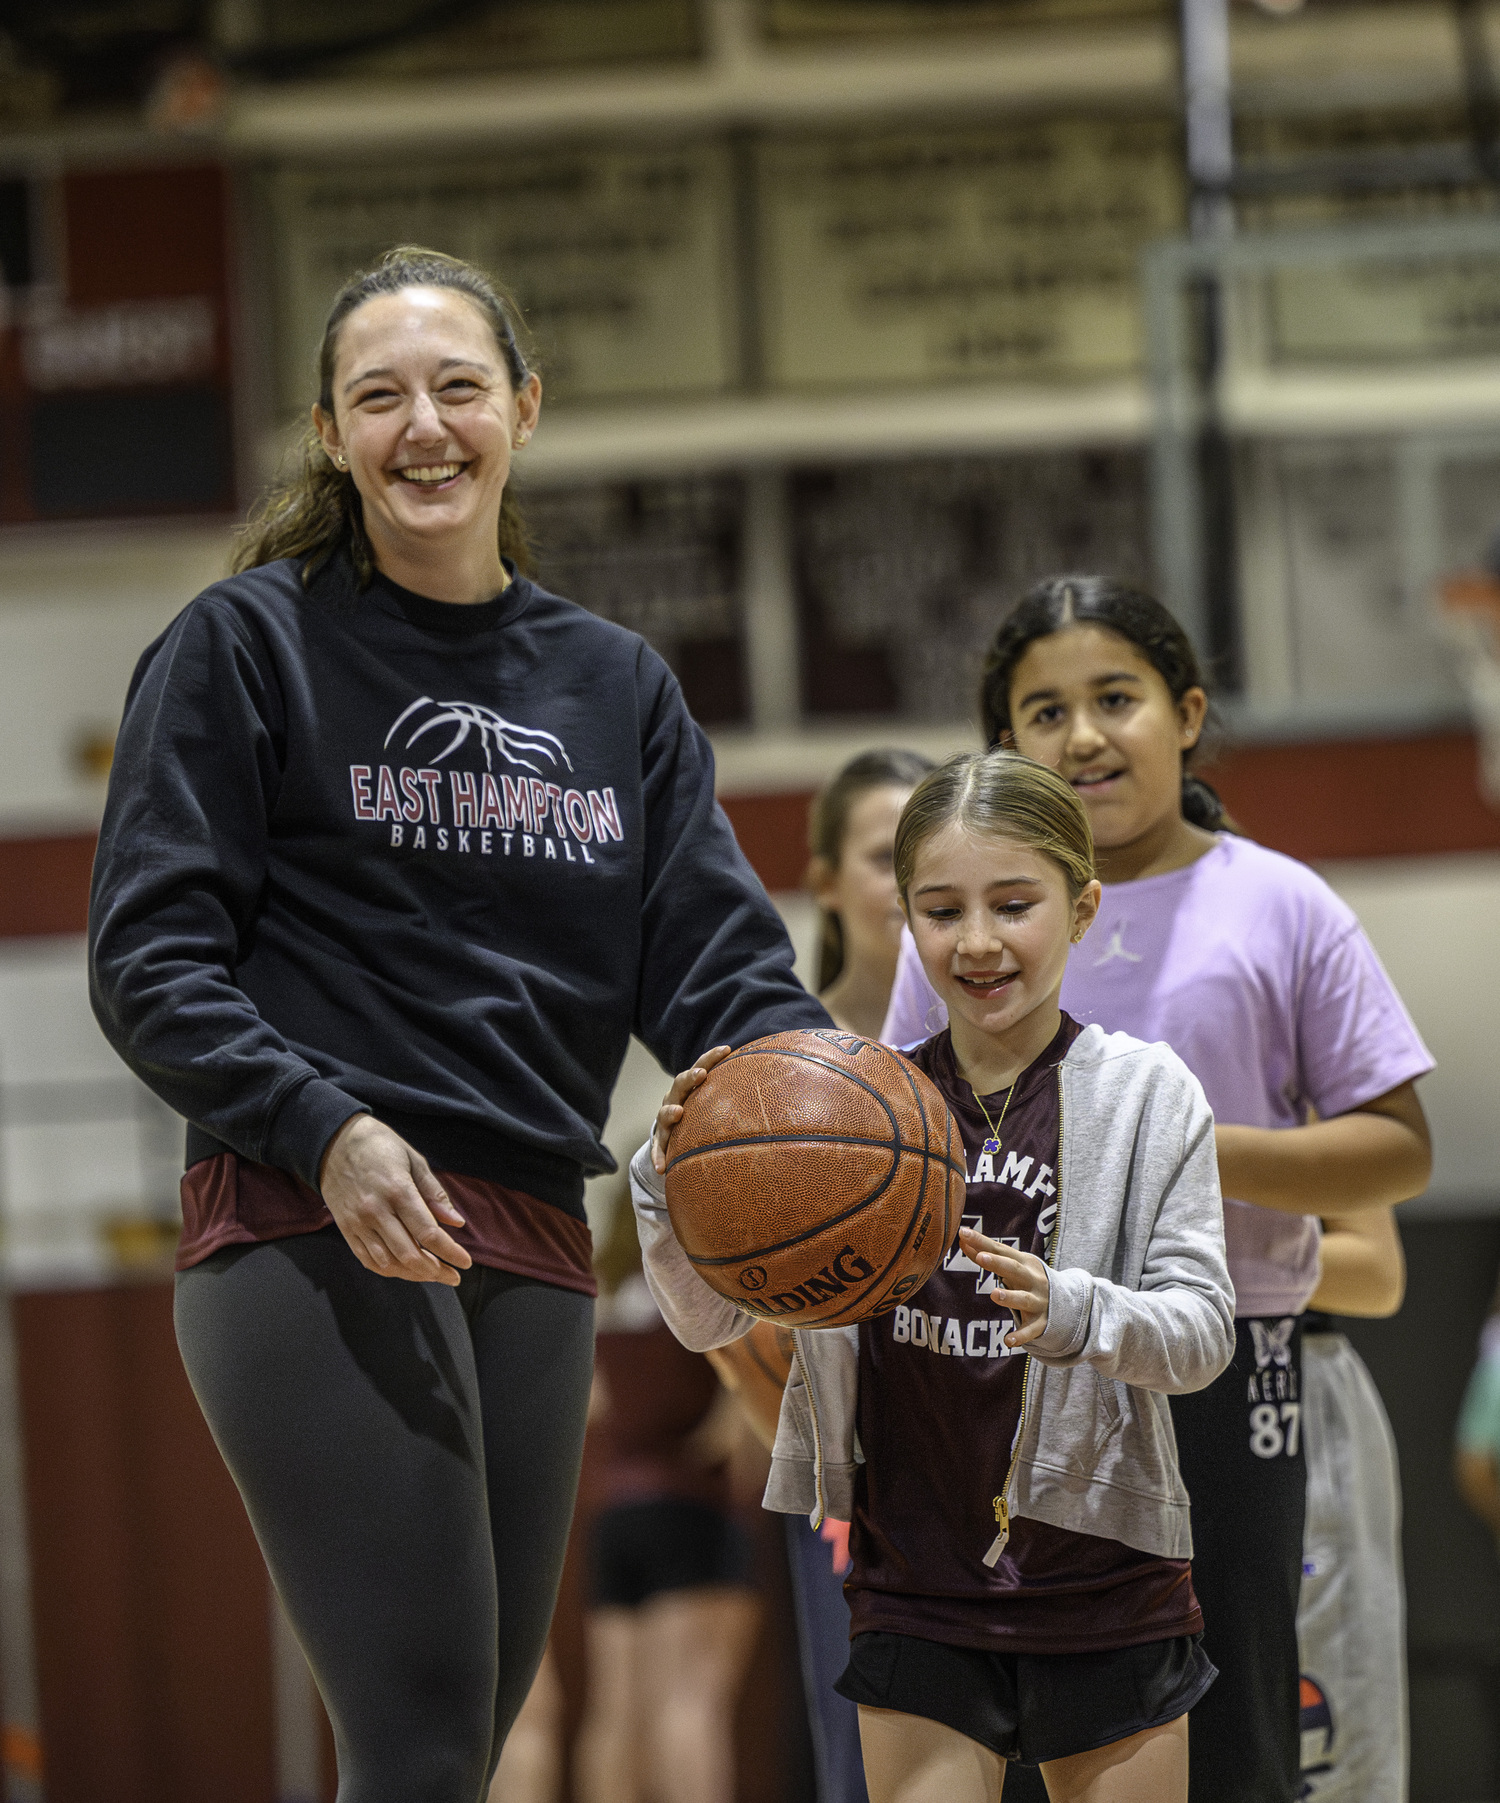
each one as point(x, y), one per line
point(670, 1112)
point(386, 1202)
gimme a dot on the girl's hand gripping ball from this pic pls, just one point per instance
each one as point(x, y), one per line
point(670, 1112)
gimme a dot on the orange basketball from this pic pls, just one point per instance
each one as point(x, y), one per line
point(815, 1178)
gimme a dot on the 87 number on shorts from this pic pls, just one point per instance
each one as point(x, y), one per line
point(1275, 1429)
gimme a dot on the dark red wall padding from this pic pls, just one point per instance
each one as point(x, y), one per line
point(44, 885)
point(150, 1602)
point(1377, 798)
point(1374, 798)
point(1371, 798)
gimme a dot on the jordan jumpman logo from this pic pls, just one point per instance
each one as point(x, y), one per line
point(1116, 949)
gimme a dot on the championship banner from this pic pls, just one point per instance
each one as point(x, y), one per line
point(620, 256)
point(1348, 311)
point(1007, 252)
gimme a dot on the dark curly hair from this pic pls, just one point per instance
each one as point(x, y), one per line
point(1077, 600)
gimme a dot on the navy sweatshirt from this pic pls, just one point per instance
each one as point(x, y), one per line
point(372, 851)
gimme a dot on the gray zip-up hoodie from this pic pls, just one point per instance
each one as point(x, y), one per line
point(1141, 1306)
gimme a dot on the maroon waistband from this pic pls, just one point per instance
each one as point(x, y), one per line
point(231, 1201)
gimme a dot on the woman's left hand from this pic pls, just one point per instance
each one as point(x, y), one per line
point(1027, 1291)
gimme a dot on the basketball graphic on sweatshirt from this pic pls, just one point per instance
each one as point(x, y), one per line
point(514, 805)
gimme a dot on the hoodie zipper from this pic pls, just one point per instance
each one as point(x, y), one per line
point(1002, 1501)
point(812, 1413)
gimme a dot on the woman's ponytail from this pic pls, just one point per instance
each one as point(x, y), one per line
point(310, 511)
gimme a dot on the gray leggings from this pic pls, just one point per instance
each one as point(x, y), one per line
point(408, 1455)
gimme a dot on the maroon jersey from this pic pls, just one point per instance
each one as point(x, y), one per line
point(939, 1408)
point(657, 1394)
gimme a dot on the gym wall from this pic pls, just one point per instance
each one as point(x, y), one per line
point(840, 316)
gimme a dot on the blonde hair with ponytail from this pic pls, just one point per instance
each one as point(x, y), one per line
point(828, 823)
point(1002, 793)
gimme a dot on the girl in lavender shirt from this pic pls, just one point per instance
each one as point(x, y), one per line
point(1262, 981)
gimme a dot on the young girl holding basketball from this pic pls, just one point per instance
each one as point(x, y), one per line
point(1259, 977)
point(851, 839)
point(1021, 1586)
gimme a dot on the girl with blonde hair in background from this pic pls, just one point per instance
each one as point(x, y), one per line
point(851, 843)
point(1021, 1585)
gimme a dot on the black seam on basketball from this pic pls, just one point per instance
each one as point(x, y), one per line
point(900, 1150)
point(868, 1300)
point(875, 1292)
point(833, 1221)
point(791, 1139)
point(843, 1139)
point(745, 1258)
point(907, 1071)
point(752, 1051)
point(873, 1304)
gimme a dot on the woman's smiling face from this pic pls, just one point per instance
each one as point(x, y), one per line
point(993, 921)
point(425, 415)
point(1087, 702)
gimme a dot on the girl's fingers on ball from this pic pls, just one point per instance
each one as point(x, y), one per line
point(685, 1082)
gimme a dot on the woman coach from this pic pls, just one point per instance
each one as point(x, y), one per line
point(399, 850)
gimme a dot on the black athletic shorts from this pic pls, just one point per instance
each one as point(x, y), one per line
point(642, 1549)
point(1030, 1706)
point(1239, 1448)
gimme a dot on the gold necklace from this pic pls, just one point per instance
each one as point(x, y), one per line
point(992, 1144)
